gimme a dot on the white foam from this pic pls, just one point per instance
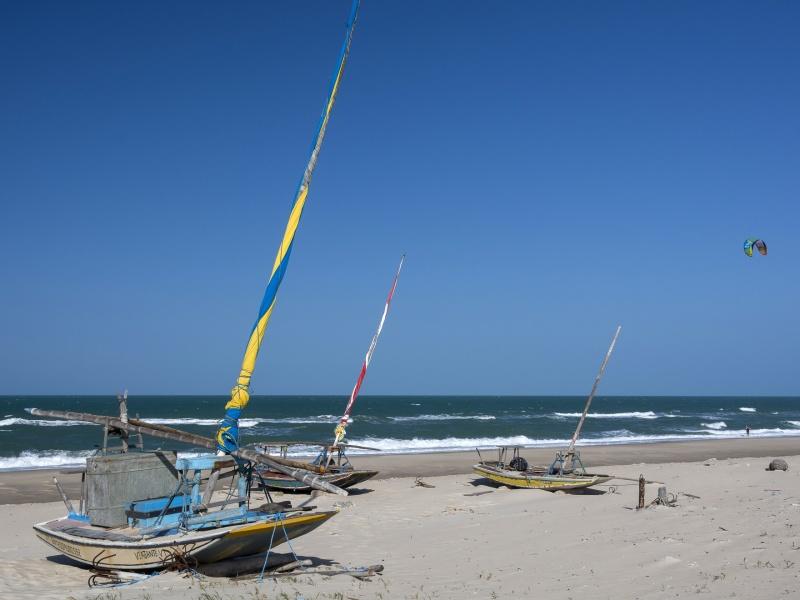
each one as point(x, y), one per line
point(620, 415)
point(44, 459)
point(734, 433)
point(333, 419)
point(243, 423)
point(445, 417)
point(49, 459)
point(40, 422)
point(62, 458)
point(747, 409)
point(418, 445)
point(715, 425)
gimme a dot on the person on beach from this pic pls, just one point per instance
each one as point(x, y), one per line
point(747, 429)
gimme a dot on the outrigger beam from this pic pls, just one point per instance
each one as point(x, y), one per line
point(168, 433)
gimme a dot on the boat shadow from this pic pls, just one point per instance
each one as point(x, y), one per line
point(486, 482)
point(359, 491)
point(65, 561)
point(277, 559)
point(585, 492)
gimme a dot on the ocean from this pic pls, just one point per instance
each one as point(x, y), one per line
point(397, 424)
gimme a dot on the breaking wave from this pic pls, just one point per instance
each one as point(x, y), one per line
point(333, 419)
point(52, 459)
point(44, 459)
point(747, 409)
point(244, 423)
point(715, 425)
point(59, 458)
point(620, 415)
point(445, 417)
point(452, 444)
point(40, 422)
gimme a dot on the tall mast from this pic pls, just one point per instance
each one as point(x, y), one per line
point(340, 428)
point(227, 437)
point(597, 379)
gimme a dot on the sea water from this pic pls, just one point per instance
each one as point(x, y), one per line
point(397, 424)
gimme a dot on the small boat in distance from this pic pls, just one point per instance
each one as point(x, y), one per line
point(566, 472)
point(331, 464)
point(515, 472)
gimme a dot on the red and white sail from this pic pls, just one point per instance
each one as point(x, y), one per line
point(340, 428)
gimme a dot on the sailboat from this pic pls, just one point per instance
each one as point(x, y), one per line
point(331, 464)
point(566, 472)
point(144, 510)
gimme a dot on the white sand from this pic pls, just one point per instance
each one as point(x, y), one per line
point(740, 539)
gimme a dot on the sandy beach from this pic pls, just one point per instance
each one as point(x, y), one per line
point(733, 536)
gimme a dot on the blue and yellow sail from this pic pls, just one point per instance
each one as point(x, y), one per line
point(228, 432)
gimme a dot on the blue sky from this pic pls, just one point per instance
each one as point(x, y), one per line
point(551, 169)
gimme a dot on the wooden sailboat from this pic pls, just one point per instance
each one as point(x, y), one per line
point(516, 473)
point(145, 510)
point(332, 463)
point(566, 472)
point(177, 527)
point(172, 518)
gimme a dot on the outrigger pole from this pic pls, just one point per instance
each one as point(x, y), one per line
point(176, 435)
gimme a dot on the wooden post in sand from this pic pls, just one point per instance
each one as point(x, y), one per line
point(641, 491)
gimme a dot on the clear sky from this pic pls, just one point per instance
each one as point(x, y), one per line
point(552, 169)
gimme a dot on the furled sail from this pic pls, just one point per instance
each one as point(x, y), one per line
point(228, 433)
point(340, 428)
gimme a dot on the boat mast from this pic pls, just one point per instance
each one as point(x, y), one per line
point(571, 449)
point(340, 428)
point(227, 437)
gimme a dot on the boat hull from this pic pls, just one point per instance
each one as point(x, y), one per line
point(201, 546)
point(277, 482)
point(538, 480)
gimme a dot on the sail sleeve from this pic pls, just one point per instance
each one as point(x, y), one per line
point(228, 433)
point(339, 433)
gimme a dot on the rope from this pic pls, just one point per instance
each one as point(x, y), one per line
point(115, 579)
point(180, 561)
point(103, 576)
point(280, 519)
point(266, 558)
